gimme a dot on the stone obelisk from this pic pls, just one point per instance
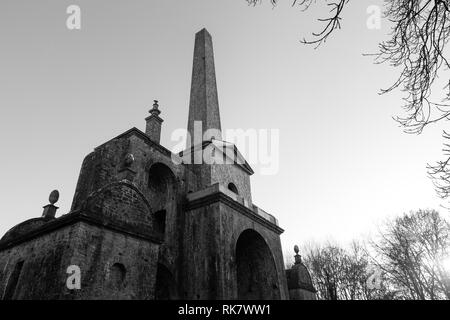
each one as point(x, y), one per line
point(204, 103)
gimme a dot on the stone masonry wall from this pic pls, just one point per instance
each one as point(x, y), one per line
point(103, 166)
point(211, 234)
point(96, 251)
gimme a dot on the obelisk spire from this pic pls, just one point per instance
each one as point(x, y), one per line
point(204, 103)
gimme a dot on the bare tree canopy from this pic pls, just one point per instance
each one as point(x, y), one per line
point(440, 172)
point(331, 23)
point(417, 41)
point(412, 251)
point(416, 45)
point(410, 256)
point(340, 274)
point(421, 30)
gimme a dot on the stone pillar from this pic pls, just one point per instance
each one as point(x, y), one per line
point(154, 122)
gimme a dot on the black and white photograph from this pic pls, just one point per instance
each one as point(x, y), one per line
point(235, 151)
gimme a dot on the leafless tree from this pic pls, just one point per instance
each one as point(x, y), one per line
point(410, 255)
point(419, 34)
point(416, 45)
point(411, 250)
point(420, 31)
point(440, 172)
point(331, 22)
point(338, 273)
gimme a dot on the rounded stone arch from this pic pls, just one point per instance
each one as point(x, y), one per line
point(117, 275)
point(162, 185)
point(232, 187)
point(166, 163)
point(108, 202)
point(256, 271)
point(163, 194)
point(107, 189)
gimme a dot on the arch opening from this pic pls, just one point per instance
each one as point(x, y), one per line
point(232, 187)
point(161, 181)
point(257, 277)
point(118, 274)
point(13, 281)
point(162, 195)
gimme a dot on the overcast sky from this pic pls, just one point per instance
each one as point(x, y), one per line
point(344, 164)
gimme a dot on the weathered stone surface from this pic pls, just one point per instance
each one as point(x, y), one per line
point(299, 280)
point(154, 122)
point(211, 238)
point(42, 275)
point(204, 101)
point(153, 128)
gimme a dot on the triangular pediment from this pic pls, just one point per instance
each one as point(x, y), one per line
point(223, 153)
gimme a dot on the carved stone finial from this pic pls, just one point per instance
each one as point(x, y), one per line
point(50, 209)
point(298, 258)
point(155, 111)
point(53, 197)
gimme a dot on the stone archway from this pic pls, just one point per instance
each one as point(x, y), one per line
point(257, 277)
point(162, 186)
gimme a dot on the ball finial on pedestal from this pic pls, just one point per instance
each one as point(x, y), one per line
point(50, 209)
point(53, 197)
point(298, 258)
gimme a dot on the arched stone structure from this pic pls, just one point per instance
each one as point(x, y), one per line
point(255, 267)
point(162, 187)
point(146, 223)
